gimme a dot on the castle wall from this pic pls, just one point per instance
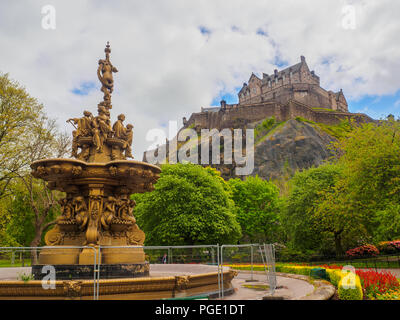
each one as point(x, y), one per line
point(240, 115)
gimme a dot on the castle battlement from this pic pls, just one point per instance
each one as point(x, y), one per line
point(238, 116)
point(296, 82)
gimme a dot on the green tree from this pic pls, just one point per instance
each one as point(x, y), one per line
point(18, 115)
point(45, 142)
point(257, 203)
point(339, 217)
point(18, 220)
point(190, 205)
point(26, 135)
point(298, 217)
point(371, 176)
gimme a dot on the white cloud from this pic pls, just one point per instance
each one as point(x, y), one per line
point(169, 69)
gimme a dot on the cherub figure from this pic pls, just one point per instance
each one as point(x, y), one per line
point(108, 212)
point(67, 210)
point(128, 137)
point(83, 129)
point(101, 128)
point(125, 210)
point(118, 127)
point(81, 211)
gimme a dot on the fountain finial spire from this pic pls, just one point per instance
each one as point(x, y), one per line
point(105, 75)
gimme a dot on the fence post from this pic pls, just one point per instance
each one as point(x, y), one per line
point(219, 276)
point(251, 250)
point(222, 272)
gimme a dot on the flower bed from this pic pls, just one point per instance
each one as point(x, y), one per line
point(369, 283)
point(377, 283)
point(389, 247)
point(368, 250)
point(392, 294)
point(349, 288)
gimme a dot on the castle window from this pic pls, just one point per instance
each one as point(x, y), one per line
point(255, 90)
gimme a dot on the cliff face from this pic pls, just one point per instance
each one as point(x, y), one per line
point(292, 146)
point(285, 148)
point(282, 148)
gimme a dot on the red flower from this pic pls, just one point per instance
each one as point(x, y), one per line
point(362, 251)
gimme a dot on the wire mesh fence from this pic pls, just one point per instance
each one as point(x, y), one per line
point(38, 267)
point(251, 258)
point(35, 267)
point(169, 261)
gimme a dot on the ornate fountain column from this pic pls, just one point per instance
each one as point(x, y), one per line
point(97, 210)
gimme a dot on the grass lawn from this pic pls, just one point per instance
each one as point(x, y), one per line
point(6, 263)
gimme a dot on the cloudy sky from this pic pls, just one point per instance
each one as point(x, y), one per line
point(175, 56)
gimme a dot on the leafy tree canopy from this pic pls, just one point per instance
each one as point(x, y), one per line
point(257, 202)
point(190, 205)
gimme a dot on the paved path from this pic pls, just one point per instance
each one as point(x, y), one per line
point(13, 273)
point(287, 288)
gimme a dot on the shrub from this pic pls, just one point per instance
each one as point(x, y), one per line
point(292, 255)
point(368, 250)
point(389, 247)
point(348, 292)
point(303, 270)
point(25, 277)
point(335, 275)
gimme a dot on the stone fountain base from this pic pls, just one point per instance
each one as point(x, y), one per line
point(86, 272)
point(78, 263)
point(165, 282)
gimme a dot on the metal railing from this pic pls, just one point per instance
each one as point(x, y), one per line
point(212, 255)
point(267, 259)
point(33, 251)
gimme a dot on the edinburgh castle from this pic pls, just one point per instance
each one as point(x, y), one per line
point(286, 94)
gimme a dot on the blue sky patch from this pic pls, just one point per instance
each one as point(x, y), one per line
point(84, 88)
point(261, 32)
point(228, 97)
point(281, 64)
point(377, 107)
point(204, 30)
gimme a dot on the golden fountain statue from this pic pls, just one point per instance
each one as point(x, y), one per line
point(97, 210)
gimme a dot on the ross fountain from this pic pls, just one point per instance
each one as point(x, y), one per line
point(97, 209)
point(97, 214)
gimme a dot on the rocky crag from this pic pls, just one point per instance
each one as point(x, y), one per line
point(283, 147)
